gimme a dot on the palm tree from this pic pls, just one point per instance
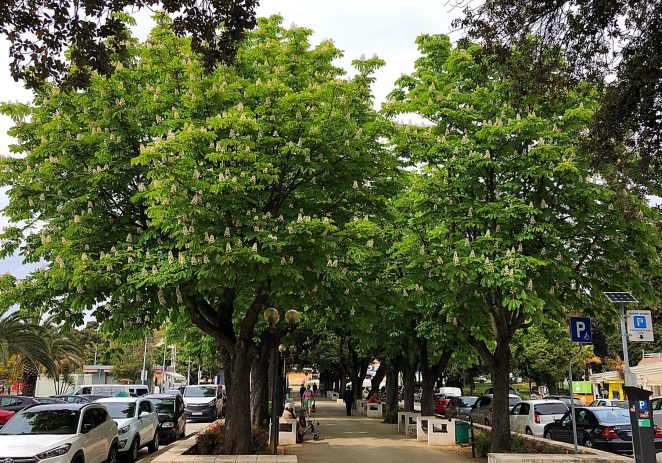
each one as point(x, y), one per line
point(24, 337)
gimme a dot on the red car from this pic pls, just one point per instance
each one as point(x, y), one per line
point(4, 416)
point(440, 403)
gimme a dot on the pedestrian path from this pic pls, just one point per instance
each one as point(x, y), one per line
point(362, 440)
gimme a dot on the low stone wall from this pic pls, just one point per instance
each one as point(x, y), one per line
point(178, 454)
point(554, 451)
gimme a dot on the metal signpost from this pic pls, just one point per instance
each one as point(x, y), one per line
point(621, 299)
point(580, 332)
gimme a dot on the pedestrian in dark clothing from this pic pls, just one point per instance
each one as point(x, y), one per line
point(349, 399)
point(314, 388)
point(302, 389)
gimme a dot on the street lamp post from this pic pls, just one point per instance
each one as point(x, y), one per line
point(272, 317)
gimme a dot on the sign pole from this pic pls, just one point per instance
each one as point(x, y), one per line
point(626, 355)
point(572, 398)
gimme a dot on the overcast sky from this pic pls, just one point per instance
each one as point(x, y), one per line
point(386, 28)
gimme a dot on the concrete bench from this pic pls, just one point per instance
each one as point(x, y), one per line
point(408, 422)
point(340, 401)
point(334, 395)
point(375, 410)
point(287, 432)
point(361, 407)
point(441, 431)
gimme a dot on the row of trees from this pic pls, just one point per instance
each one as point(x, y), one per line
point(167, 191)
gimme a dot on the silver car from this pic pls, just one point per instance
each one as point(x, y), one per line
point(481, 412)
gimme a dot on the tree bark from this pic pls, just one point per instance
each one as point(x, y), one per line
point(431, 372)
point(409, 384)
point(30, 376)
point(379, 377)
point(238, 412)
point(500, 408)
point(260, 383)
point(392, 391)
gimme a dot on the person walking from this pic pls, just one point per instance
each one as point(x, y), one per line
point(348, 397)
point(302, 389)
point(308, 400)
point(315, 389)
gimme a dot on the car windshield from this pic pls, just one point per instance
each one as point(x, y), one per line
point(612, 416)
point(120, 410)
point(163, 405)
point(42, 422)
point(551, 409)
point(468, 401)
point(46, 400)
point(201, 391)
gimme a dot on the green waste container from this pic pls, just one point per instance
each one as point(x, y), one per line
point(461, 432)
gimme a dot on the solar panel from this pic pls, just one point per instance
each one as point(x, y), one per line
point(620, 297)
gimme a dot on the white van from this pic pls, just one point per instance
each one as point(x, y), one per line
point(112, 390)
point(450, 391)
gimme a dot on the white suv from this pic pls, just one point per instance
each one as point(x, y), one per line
point(61, 433)
point(531, 416)
point(137, 424)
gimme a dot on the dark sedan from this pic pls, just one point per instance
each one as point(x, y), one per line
point(172, 417)
point(459, 407)
point(603, 428)
point(16, 403)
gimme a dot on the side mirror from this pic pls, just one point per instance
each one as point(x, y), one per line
point(87, 427)
point(143, 414)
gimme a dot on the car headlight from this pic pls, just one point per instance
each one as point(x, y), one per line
point(123, 430)
point(56, 452)
point(168, 424)
point(213, 402)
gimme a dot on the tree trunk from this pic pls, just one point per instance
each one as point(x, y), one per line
point(238, 411)
point(378, 378)
point(260, 383)
point(30, 376)
point(409, 384)
point(427, 397)
point(500, 408)
point(392, 392)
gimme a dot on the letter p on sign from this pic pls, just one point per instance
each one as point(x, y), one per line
point(580, 330)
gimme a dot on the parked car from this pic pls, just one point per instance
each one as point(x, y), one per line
point(204, 402)
point(481, 412)
point(175, 391)
point(449, 391)
point(566, 400)
point(137, 423)
point(459, 407)
point(75, 399)
point(16, 403)
point(603, 428)
point(609, 403)
point(113, 390)
point(480, 379)
point(511, 391)
point(172, 417)
point(656, 406)
point(5, 415)
point(60, 433)
point(440, 403)
point(531, 416)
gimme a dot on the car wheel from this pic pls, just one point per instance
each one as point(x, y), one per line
point(588, 443)
point(528, 431)
point(133, 451)
point(548, 435)
point(112, 454)
point(154, 445)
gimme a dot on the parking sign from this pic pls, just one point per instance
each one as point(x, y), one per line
point(580, 330)
point(640, 325)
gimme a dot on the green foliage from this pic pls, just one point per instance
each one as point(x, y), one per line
point(482, 443)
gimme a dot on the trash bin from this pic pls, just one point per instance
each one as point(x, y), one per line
point(461, 432)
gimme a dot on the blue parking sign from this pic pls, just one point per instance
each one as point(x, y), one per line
point(580, 330)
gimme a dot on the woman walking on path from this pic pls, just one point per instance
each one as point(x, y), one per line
point(308, 400)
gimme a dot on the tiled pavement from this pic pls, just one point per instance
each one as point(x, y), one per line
point(362, 440)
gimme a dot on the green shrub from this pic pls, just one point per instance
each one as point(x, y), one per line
point(482, 444)
point(392, 417)
point(211, 440)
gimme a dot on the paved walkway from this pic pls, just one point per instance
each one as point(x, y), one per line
point(361, 440)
